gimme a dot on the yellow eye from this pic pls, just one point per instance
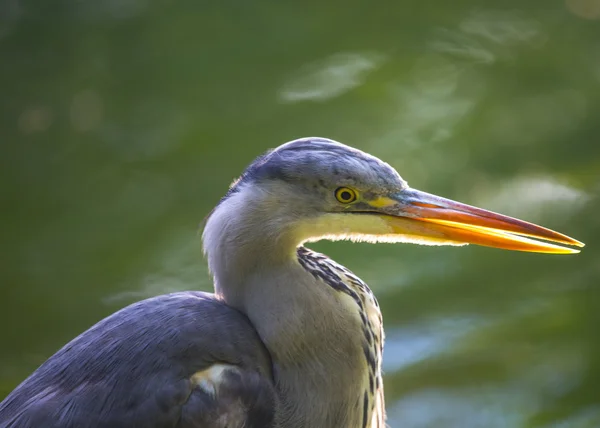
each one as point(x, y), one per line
point(345, 195)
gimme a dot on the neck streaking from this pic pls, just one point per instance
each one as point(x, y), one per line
point(344, 281)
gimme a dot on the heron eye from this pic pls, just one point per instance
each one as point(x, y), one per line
point(345, 195)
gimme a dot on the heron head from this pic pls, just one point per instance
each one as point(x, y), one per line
point(315, 188)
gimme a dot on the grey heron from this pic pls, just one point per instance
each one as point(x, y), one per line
point(290, 338)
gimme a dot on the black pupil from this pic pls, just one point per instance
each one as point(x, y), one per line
point(346, 195)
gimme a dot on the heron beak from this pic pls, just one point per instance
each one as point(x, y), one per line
point(438, 219)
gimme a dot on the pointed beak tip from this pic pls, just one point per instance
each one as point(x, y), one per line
point(569, 242)
point(566, 250)
point(467, 224)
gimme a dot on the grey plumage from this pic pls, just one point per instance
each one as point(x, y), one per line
point(290, 339)
point(317, 164)
point(132, 369)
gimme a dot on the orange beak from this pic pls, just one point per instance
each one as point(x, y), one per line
point(433, 218)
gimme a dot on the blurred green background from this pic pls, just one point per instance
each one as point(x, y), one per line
point(122, 122)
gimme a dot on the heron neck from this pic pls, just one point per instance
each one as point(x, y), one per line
point(241, 242)
point(309, 328)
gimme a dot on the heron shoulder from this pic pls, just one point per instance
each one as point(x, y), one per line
point(139, 364)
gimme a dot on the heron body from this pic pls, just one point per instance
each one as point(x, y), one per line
point(290, 339)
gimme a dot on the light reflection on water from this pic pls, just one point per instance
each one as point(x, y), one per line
point(406, 346)
point(451, 408)
point(532, 197)
point(330, 77)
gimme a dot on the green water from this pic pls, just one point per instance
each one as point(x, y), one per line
point(123, 122)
